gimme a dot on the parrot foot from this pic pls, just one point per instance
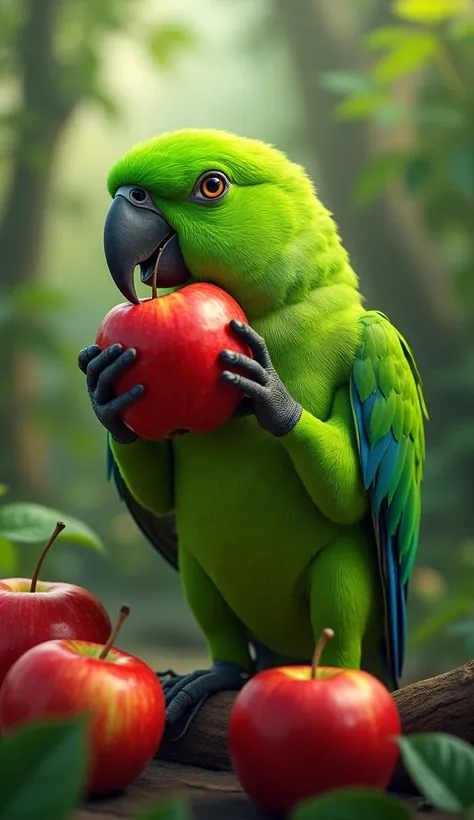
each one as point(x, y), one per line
point(184, 692)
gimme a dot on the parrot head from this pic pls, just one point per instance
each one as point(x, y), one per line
point(209, 206)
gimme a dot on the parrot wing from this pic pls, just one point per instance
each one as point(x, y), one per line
point(389, 410)
point(159, 530)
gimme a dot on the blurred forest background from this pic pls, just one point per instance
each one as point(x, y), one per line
point(376, 99)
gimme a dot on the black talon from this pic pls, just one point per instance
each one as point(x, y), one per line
point(102, 368)
point(189, 692)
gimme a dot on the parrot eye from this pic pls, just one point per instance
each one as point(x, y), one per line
point(211, 186)
point(138, 195)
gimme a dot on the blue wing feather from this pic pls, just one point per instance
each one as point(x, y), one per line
point(383, 463)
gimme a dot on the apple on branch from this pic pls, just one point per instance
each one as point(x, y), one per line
point(298, 731)
point(177, 338)
point(33, 611)
point(120, 693)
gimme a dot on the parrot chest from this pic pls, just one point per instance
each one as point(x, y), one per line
point(242, 512)
point(241, 508)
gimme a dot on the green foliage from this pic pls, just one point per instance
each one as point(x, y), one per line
point(442, 766)
point(25, 523)
point(429, 12)
point(28, 523)
point(43, 770)
point(432, 41)
point(352, 804)
point(81, 32)
point(166, 41)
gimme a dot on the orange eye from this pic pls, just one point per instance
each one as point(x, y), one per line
point(212, 186)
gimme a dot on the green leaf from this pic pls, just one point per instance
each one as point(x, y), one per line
point(442, 767)
point(346, 82)
point(25, 523)
point(418, 173)
point(166, 41)
point(429, 12)
point(410, 54)
point(387, 37)
point(352, 804)
point(360, 106)
point(8, 558)
point(43, 770)
point(3, 489)
point(174, 809)
point(375, 176)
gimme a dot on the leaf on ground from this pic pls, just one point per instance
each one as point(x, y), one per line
point(352, 804)
point(43, 768)
point(442, 767)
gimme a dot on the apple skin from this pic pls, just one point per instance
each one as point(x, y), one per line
point(291, 738)
point(122, 694)
point(54, 611)
point(178, 338)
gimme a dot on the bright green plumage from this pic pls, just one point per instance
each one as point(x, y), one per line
point(282, 537)
point(388, 409)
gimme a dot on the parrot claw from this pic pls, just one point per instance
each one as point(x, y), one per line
point(183, 692)
point(102, 368)
point(265, 395)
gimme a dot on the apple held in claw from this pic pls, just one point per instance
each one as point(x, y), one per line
point(296, 732)
point(33, 611)
point(121, 694)
point(178, 338)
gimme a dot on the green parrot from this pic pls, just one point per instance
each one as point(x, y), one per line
point(302, 512)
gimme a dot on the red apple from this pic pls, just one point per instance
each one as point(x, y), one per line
point(296, 732)
point(178, 338)
point(33, 611)
point(122, 695)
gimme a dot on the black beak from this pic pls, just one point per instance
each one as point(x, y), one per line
point(136, 233)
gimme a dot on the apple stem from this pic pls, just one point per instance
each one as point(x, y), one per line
point(123, 615)
point(326, 636)
point(59, 528)
point(154, 290)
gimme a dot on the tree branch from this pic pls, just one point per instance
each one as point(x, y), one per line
point(439, 704)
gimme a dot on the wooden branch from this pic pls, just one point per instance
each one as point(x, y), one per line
point(440, 704)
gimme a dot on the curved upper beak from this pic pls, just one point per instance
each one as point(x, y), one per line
point(136, 234)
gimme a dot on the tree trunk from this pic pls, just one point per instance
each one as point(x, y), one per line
point(46, 111)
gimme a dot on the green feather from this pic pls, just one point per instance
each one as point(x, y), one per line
point(408, 417)
point(408, 521)
point(379, 339)
point(397, 424)
point(364, 378)
point(381, 418)
point(400, 498)
point(389, 379)
point(392, 487)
